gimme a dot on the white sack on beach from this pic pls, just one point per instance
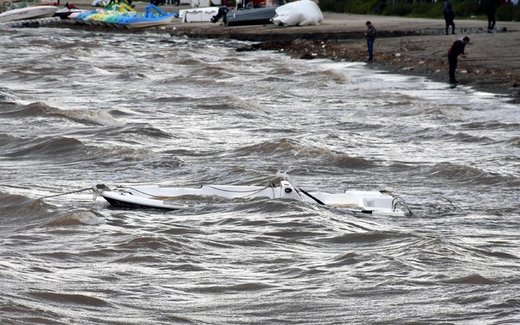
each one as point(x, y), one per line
point(301, 13)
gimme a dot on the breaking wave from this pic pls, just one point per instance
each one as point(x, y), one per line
point(40, 109)
point(43, 147)
point(77, 218)
point(467, 174)
point(296, 149)
point(69, 298)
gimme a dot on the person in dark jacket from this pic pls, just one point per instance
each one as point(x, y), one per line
point(456, 49)
point(370, 35)
point(491, 11)
point(221, 13)
point(449, 16)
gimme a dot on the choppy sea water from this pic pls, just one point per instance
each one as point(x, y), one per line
point(78, 108)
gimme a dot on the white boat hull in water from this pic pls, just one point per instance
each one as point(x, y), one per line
point(28, 13)
point(159, 197)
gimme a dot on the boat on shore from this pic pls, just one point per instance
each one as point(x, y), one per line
point(152, 17)
point(26, 13)
point(124, 16)
point(66, 11)
point(174, 198)
point(250, 16)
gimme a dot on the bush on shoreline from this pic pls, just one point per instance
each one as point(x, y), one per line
point(420, 9)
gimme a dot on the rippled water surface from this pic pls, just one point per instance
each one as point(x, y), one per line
point(78, 108)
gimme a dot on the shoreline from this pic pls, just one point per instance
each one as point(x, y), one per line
point(411, 46)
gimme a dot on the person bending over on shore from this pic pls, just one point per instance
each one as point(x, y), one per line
point(222, 13)
point(449, 16)
point(370, 35)
point(456, 49)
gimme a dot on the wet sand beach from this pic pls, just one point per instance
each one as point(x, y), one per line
point(404, 45)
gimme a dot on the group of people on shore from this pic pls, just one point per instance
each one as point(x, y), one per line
point(491, 13)
point(457, 48)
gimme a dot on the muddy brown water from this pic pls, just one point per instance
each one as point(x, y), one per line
point(78, 108)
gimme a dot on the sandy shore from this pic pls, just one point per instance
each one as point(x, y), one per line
point(405, 45)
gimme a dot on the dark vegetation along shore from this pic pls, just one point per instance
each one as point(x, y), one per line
point(506, 10)
point(405, 45)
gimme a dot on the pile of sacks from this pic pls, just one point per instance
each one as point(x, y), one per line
point(298, 13)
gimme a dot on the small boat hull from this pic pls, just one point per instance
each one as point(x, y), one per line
point(65, 13)
point(124, 204)
point(28, 13)
point(143, 22)
point(253, 16)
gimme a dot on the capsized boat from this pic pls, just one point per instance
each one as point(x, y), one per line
point(173, 198)
point(27, 13)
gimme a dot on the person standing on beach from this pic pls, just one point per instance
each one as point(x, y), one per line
point(456, 49)
point(449, 16)
point(491, 11)
point(370, 35)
